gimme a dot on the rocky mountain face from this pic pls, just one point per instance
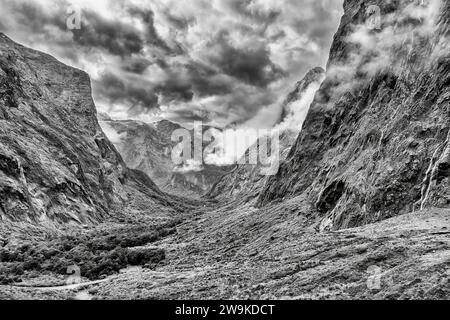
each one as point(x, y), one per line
point(375, 143)
point(245, 182)
point(56, 164)
point(148, 148)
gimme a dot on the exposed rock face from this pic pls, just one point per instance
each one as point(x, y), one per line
point(56, 164)
point(148, 148)
point(245, 182)
point(375, 143)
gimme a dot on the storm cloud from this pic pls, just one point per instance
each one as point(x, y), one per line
point(222, 61)
point(251, 65)
point(114, 37)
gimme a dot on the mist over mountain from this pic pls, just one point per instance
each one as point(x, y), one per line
point(246, 181)
point(216, 61)
point(92, 205)
point(375, 142)
point(149, 147)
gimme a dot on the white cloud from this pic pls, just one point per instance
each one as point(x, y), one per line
point(112, 134)
point(296, 35)
point(377, 50)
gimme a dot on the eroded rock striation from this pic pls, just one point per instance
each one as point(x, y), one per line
point(375, 143)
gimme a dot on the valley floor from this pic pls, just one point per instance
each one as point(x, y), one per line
point(274, 253)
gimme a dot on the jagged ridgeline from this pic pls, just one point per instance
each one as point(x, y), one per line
point(56, 164)
point(245, 182)
point(148, 147)
point(375, 143)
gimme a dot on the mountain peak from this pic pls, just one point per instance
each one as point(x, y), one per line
point(314, 76)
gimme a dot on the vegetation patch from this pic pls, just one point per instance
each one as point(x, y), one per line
point(97, 254)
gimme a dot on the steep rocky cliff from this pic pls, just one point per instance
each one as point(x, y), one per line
point(56, 164)
point(375, 143)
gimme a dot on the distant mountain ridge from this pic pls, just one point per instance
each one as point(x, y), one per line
point(148, 148)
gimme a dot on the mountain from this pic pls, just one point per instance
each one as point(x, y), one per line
point(56, 164)
point(148, 147)
point(143, 147)
point(245, 182)
point(375, 143)
point(304, 88)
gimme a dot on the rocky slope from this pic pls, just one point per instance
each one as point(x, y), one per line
point(56, 164)
point(229, 251)
point(272, 253)
point(148, 147)
point(375, 143)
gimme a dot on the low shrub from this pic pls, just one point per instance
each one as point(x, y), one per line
point(97, 254)
point(145, 256)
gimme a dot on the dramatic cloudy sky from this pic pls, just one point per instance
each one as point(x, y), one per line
point(224, 61)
